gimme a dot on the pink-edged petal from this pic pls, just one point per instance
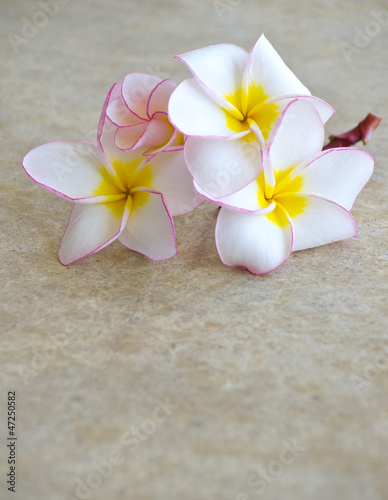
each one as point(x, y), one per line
point(128, 137)
point(136, 90)
point(155, 133)
point(114, 93)
point(167, 173)
point(91, 228)
point(267, 70)
point(159, 97)
point(222, 167)
point(158, 132)
point(338, 175)
point(320, 222)
point(73, 170)
point(219, 69)
point(194, 113)
point(298, 135)
point(119, 114)
point(115, 159)
point(150, 230)
point(324, 109)
point(245, 200)
point(259, 243)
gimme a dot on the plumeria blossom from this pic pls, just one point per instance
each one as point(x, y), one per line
point(233, 100)
point(138, 107)
point(118, 194)
point(301, 199)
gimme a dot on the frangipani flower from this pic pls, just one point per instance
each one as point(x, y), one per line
point(234, 99)
point(138, 107)
point(301, 199)
point(118, 194)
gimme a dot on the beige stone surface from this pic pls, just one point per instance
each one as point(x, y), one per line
point(248, 363)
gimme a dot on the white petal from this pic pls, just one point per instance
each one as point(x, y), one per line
point(112, 155)
point(114, 93)
point(324, 109)
point(338, 175)
point(256, 242)
point(159, 97)
point(91, 228)
point(128, 137)
point(194, 113)
point(219, 69)
point(149, 230)
point(170, 176)
point(222, 167)
point(71, 169)
point(151, 134)
point(298, 136)
point(136, 91)
point(267, 69)
point(246, 199)
point(320, 222)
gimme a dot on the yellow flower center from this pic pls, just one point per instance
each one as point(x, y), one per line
point(251, 105)
point(131, 178)
point(286, 195)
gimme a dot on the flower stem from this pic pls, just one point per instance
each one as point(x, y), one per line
point(362, 132)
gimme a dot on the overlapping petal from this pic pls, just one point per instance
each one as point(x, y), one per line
point(151, 134)
point(159, 97)
point(195, 113)
point(248, 199)
point(325, 110)
point(150, 230)
point(139, 108)
point(259, 243)
point(219, 69)
point(112, 155)
point(221, 168)
point(119, 114)
point(167, 173)
point(136, 90)
point(298, 135)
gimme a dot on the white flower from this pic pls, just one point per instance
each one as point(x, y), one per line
point(301, 199)
point(232, 103)
point(118, 194)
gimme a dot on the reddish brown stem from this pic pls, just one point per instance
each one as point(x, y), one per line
point(363, 132)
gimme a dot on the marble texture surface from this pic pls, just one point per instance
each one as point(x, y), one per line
point(220, 370)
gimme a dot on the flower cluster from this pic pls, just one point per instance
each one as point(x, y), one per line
point(243, 133)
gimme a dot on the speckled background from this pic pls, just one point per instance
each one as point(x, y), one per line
point(247, 366)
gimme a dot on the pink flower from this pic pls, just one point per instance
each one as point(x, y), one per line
point(138, 108)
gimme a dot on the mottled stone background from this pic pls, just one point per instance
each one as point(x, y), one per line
point(250, 365)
